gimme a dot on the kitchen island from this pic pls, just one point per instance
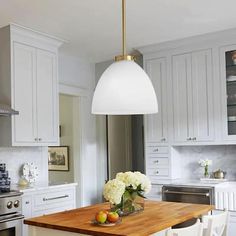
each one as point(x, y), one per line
point(157, 216)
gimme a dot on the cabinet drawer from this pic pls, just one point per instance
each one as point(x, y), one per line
point(51, 198)
point(157, 161)
point(154, 149)
point(54, 210)
point(155, 172)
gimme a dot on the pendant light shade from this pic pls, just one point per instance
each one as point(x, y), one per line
point(124, 88)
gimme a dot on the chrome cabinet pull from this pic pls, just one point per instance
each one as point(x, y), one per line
point(157, 172)
point(189, 139)
point(27, 202)
point(156, 150)
point(156, 161)
point(194, 138)
point(187, 193)
point(163, 139)
point(54, 198)
point(40, 139)
point(35, 139)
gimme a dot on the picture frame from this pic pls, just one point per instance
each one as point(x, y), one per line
point(58, 158)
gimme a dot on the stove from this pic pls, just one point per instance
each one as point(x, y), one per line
point(11, 218)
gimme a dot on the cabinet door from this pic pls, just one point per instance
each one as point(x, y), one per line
point(228, 91)
point(47, 97)
point(23, 96)
point(202, 89)
point(156, 124)
point(182, 97)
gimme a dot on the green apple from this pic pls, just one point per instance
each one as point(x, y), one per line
point(101, 217)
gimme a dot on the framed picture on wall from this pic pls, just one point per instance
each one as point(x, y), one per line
point(58, 158)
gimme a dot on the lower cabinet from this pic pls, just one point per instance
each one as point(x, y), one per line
point(155, 193)
point(50, 200)
point(232, 224)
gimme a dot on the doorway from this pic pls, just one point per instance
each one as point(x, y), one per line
point(66, 124)
point(125, 146)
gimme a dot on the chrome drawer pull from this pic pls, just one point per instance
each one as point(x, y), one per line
point(53, 198)
point(155, 150)
point(187, 193)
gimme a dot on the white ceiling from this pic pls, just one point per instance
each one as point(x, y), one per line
point(92, 27)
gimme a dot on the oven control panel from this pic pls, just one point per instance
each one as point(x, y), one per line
point(10, 204)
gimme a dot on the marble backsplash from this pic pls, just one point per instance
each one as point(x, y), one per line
point(223, 157)
point(15, 157)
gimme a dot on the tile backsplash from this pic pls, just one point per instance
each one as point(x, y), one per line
point(15, 157)
point(223, 157)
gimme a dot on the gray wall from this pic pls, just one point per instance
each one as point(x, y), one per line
point(66, 139)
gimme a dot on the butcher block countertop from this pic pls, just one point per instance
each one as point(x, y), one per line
point(156, 217)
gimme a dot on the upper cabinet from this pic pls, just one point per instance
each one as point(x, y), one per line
point(156, 129)
point(29, 84)
point(193, 112)
point(228, 85)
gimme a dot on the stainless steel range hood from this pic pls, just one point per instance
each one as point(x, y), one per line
point(6, 110)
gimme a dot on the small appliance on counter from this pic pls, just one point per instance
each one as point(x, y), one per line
point(5, 181)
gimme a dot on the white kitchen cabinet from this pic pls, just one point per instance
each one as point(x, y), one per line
point(232, 224)
point(193, 97)
point(155, 193)
point(48, 200)
point(47, 97)
point(182, 99)
point(29, 84)
point(24, 83)
point(228, 90)
point(156, 129)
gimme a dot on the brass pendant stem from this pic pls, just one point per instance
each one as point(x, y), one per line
point(124, 56)
point(124, 27)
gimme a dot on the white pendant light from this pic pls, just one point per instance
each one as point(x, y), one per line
point(124, 87)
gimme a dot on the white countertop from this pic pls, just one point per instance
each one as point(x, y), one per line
point(40, 186)
point(196, 182)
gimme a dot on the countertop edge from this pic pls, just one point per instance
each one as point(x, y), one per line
point(38, 188)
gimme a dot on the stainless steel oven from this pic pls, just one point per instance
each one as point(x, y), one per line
point(11, 225)
point(11, 218)
point(188, 194)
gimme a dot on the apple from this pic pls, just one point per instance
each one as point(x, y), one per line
point(101, 217)
point(112, 217)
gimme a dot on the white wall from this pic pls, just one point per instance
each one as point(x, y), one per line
point(17, 156)
point(77, 73)
point(101, 136)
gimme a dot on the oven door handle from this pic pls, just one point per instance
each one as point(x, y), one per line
point(12, 218)
point(186, 193)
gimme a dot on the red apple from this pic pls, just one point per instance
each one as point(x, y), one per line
point(101, 217)
point(112, 217)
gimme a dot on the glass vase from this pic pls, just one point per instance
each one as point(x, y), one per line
point(131, 203)
point(206, 172)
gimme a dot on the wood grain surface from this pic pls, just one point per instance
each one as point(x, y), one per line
point(156, 216)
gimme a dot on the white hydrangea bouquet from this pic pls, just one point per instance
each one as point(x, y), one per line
point(205, 163)
point(126, 192)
